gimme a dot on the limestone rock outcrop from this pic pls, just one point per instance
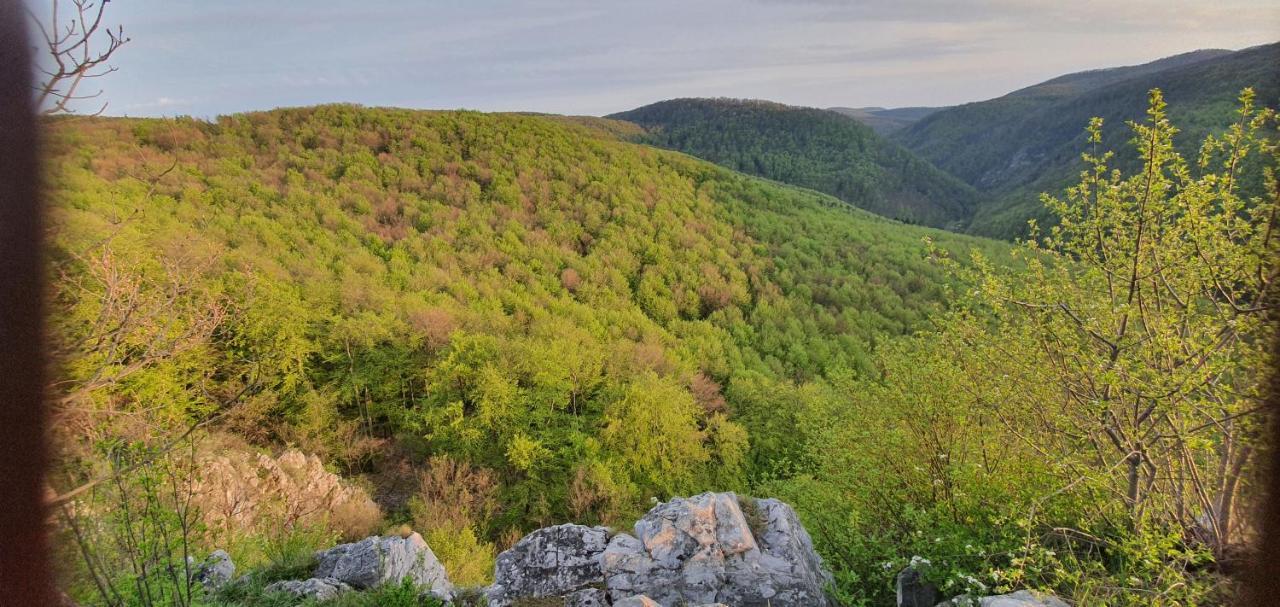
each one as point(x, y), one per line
point(379, 560)
point(215, 571)
point(717, 548)
point(371, 562)
point(587, 597)
point(707, 549)
point(550, 562)
point(241, 490)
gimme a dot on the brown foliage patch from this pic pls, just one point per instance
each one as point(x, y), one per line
point(570, 279)
point(455, 494)
point(434, 324)
point(706, 392)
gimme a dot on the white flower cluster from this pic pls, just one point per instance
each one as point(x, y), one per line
point(917, 561)
point(972, 583)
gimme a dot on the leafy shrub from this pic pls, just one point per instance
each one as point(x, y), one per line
point(468, 559)
point(455, 502)
point(134, 530)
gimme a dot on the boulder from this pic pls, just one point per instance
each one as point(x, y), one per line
point(717, 548)
point(376, 560)
point(320, 589)
point(550, 562)
point(215, 571)
point(914, 591)
point(1021, 598)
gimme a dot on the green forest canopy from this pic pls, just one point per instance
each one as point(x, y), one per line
point(527, 294)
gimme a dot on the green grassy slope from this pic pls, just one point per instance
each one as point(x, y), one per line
point(811, 148)
point(1029, 141)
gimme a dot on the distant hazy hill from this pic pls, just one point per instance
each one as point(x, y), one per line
point(886, 120)
point(812, 148)
point(1029, 141)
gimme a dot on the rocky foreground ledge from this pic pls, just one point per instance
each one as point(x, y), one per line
point(706, 549)
point(713, 549)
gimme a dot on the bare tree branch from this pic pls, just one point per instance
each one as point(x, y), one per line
point(79, 47)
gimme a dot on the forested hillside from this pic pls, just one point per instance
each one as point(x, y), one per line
point(1027, 142)
point(557, 321)
point(811, 148)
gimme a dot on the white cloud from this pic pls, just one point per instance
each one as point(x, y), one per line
point(158, 103)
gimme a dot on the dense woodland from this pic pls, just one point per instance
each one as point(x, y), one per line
point(811, 148)
point(474, 325)
point(571, 323)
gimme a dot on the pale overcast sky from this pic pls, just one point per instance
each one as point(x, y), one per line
point(209, 57)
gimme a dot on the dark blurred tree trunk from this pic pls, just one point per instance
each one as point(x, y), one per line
point(1262, 577)
point(25, 577)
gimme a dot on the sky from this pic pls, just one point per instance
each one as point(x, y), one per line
point(208, 57)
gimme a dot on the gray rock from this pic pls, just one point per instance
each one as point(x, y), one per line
point(705, 549)
point(321, 589)
point(215, 571)
point(914, 590)
point(550, 562)
point(1021, 598)
point(376, 560)
point(589, 597)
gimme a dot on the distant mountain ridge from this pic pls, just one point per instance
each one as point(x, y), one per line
point(811, 148)
point(888, 120)
point(1079, 82)
point(1029, 141)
